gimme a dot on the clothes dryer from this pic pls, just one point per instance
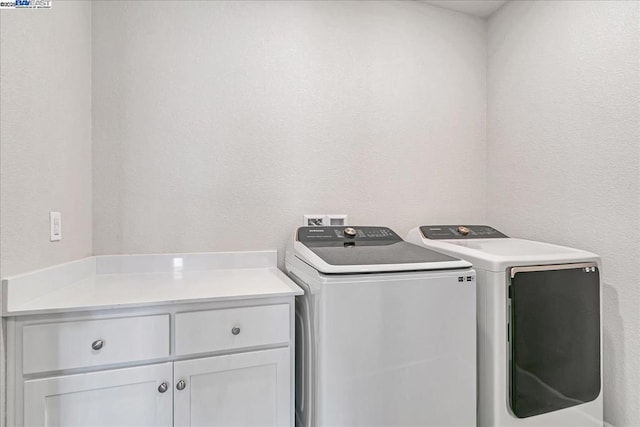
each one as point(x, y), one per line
point(539, 327)
point(385, 331)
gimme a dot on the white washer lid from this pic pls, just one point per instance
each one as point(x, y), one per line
point(498, 254)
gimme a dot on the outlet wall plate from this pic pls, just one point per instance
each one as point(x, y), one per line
point(324, 220)
point(312, 220)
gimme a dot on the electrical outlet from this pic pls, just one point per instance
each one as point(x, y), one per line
point(313, 220)
point(324, 220)
point(55, 226)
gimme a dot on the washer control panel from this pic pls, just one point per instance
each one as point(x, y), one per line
point(461, 232)
point(332, 235)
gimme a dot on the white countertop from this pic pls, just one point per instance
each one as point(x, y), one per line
point(122, 281)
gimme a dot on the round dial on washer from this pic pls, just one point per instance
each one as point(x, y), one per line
point(350, 232)
point(463, 230)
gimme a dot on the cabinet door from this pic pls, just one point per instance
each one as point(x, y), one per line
point(115, 398)
point(245, 389)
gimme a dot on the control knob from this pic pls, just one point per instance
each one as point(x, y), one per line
point(463, 230)
point(350, 232)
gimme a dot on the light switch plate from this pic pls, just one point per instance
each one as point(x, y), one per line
point(55, 226)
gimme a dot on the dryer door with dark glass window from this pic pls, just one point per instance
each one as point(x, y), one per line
point(555, 337)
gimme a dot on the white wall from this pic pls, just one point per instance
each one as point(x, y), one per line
point(45, 129)
point(217, 125)
point(45, 135)
point(563, 158)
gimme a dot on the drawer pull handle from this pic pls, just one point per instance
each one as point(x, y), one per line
point(235, 330)
point(163, 387)
point(181, 385)
point(97, 344)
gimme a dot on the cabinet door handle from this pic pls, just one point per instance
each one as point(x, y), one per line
point(181, 385)
point(163, 387)
point(97, 344)
point(235, 330)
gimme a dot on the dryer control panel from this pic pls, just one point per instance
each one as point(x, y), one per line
point(461, 232)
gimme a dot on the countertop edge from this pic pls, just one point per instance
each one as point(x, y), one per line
point(150, 304)
point(21, 291)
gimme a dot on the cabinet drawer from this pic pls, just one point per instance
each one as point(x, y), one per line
point(215, 330)
point(68, 345)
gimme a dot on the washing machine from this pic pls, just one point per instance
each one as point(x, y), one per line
point(539, 326)
point(385, 331)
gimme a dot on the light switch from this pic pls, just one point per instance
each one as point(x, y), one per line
point(55, 226)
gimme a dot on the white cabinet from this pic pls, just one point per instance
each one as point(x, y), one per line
point(67, 345)
point(247, 389)
point(214, 330)
point(113, 398)
point(207, 364)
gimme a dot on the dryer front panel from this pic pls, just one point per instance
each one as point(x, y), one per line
point(554, 338)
